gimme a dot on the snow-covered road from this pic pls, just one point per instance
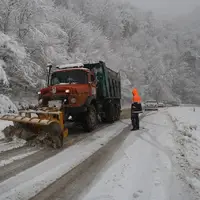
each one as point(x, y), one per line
point(158, 162)
point(144, 167)
point(33, 180)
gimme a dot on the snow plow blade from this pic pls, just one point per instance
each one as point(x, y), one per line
point(46, 127)
point(28, 120)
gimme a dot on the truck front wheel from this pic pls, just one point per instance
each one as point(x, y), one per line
point(90, 120)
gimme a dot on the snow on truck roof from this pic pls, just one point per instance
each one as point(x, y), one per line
point(70, 65)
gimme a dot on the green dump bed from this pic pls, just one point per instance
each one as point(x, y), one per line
point(108, 81)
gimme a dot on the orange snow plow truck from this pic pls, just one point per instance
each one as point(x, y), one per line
point(81, 93)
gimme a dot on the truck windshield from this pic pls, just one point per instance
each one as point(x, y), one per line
point(69, 77)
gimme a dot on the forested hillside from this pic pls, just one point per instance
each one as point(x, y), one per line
point(156, 56)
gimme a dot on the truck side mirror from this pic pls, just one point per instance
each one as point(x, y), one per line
point(49, 67)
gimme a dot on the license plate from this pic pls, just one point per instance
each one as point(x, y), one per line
point(55, 103)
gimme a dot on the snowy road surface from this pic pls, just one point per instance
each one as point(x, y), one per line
point(28, 183)
point(143, 168)
point(158, 162)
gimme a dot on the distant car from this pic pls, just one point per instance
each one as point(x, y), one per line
point(161, 105)
point(143, 105)
point(151, 105)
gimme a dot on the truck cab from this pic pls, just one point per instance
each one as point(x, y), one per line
point(70, 83)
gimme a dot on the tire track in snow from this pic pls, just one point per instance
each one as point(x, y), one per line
point(22, 162)
point(18, 157)
point(72, 184)
point(5, 155)
point(82, 175)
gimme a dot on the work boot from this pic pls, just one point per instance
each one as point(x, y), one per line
point(133, 129)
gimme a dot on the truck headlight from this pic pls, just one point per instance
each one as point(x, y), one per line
point(73, 100)
point(39, 93)
point(67, 91)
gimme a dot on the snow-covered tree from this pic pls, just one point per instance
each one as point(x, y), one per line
point(158, 57)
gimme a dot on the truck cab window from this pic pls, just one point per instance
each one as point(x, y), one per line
point(55, 81)
point(69, 77)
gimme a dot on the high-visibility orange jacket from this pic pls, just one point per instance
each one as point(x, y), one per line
point(136, 96)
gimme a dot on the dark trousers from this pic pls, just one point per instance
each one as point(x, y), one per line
point(135, 121)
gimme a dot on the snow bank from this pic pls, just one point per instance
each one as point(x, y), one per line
point(6, 105)
point(16, 143)
point(188, 125)
point(3, 76)
point(4, 124)
point(33, 180)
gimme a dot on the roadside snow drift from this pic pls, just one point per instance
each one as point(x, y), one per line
point(6, 105)
point(33, 180)
point(4, 124)
point(187, 120)
point(15, 143)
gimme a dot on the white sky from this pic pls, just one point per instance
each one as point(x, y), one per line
point(167, 7)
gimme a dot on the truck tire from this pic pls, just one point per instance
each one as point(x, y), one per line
point(90, 121)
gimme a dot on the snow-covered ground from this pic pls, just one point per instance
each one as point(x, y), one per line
point(18, 157)
point(5, 146)
point(160, 161)
point(4, 124)
point(188, 126)
point(6, 105)
point(28, 183)
point(16, 143)
point(144, 167)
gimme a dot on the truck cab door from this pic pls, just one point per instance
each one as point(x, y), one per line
point(92, 85)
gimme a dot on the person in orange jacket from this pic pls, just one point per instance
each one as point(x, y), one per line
point(136, 108)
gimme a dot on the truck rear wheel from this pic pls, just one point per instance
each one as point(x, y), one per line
point(90, 120)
